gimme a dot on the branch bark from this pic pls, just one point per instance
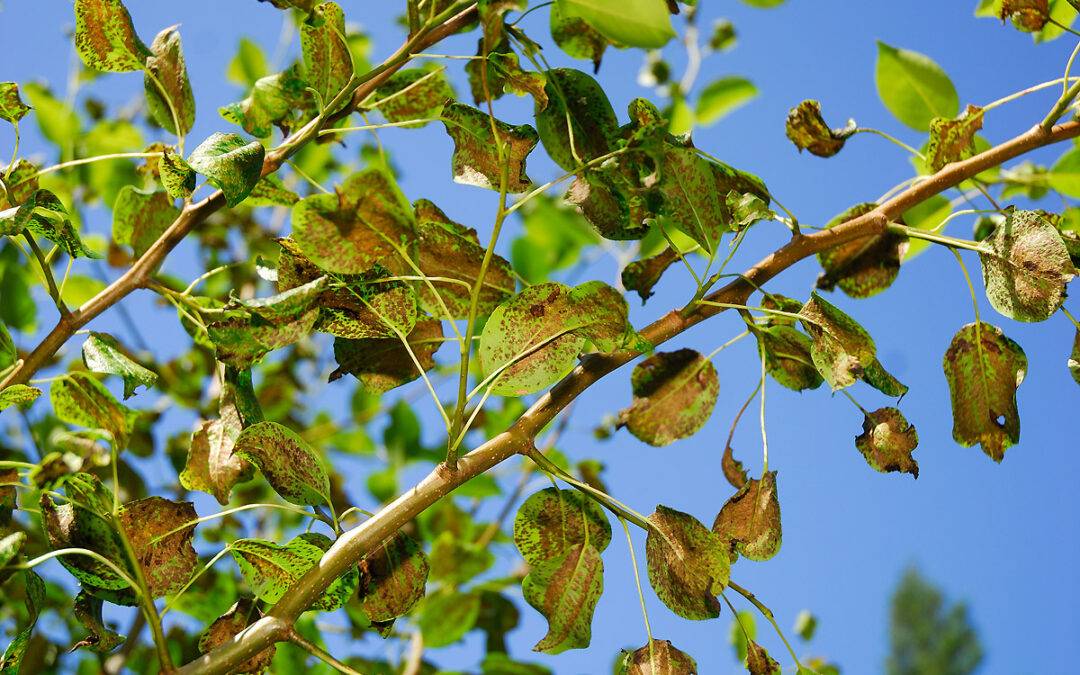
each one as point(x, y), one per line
point(354, 544)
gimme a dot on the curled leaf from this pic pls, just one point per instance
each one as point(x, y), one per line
point(806, 128)
point(841, 347)
point(44, 215)
point(80, 399)
point(242, 614)
point(160, 532)
point(476, 158)
point(750, 519)
point(414, 94)
point(1074, 358)
point(168, 88)
point(788, 359)
point(642, 275)
point(674, 395)
point(1029, 16)
point(87, 610)
point(953, 140)
point(229, 164)
point(688, 564)
point(384, 363)
point(660, 658)
point(327, 60)
point(758, 661)
point(887, 441)
point(17, 393)
point(140, 218)
point(12, 109)
point(733, 468)
point(864, 266)
point(102, 354)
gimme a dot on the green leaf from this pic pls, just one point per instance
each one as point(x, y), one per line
point(634, 23)
point(577, 105)
point(327, 61)
point(887, 441)
point(87, 610)
point(21, 182)
point(456, 562)
point(551, 521)
point(565, 589)
point(242, 614)
point(806, 128)
point(875, 375)
point(394, 579)
point(44, 215)
point(1074, 360)
point(80, 399)
point(229, 164)
point(674, 395)
point(1026, 267)
point(952, 140)
point(176, 176)
point(842, 348)
point(688, 565)
point(750, 519)
point(272, 101)
point(105, 37)
point(865, 266)
point(249, 64)
point(56, 120)
point(913, 87)
point(926, 215)
point(11, 660)
point(1028, 16)
point(446, 617)
point(101, 353)
point(476, 158)
point(576, 37)
point(365, 222)
point(269, 570)
point(140, 218)
point(169, 562)
point(788, 357)
point(10, 545)
point(660, 658)
point(721, 97)
point(270, 191)
point(288, 462)
point(12, 109)
point(642, 275)
point(384, 363)
point(17, 393)
point(743, 628)
point(70, 526)
point(286, 306)
point(984, 369)
point(414, 93)
point(692, 201)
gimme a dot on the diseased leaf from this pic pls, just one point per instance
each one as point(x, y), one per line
point(212, 465)
point(327, 61)
point(269, 570)
point(166, 68)
point(80, 399)
point(565, 589)
point(1029, 16)
point(105, 37)
point(270, 191)
point(288, 462)
point(384, 363)
point(758, 661)
point(87, 610)
point(864, 266)
point(20, 183)
point(11, 659)
point(732, 468)
point(1074, 361)
point(806, 128)
point(140, 218)
point(229, 164)
point(505, 75)
point(750, 519)
point(272, 101)
point(1026, 267)
point(747, 209)
point(788, 359)
point(660, 658)
point(169, 562)
point(17, 393)
point(456, 561)
point(12, 109)
point(953, 140)
point(286, 306)
point(603, 315)
point(70, 526)
point(414, 94)
point(103, 354)
point(841, 348)
point(242, 614)
point(393, 578)
point(43, 214)
point(476, 158)
point(674, 395)
point(177, 177)
point(688, 565)
point(887, 441)
point(550, 521)
point(642, 275)
point(576, 37)
point(877, 377)
point(634, 23)
point(984, 369)
point(577, 100)
point(692, 201)
point(446, 617)
point(243, 341)
point(913, 87)
point(11, 544)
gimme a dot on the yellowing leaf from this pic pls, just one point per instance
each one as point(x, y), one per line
point(806, 128)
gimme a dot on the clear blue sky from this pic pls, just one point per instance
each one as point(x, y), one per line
point(1003, 538)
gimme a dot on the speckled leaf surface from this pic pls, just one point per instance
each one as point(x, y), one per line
point(11, 659)
point(87, 610)
point(177, 177)
point(565, 590)
point(359, 226)
point(732, 468)
point(603, 314)
point(21, 183)
point(413, 94)
point(577, 38)
point(660, 658)
point(447, 616)
point(69, 526)
point(984, 369)
point(1074, 362)
point(17, 393)
point(80, 399)
point(243, 341)
point(841, 347)
point(787, 357)
point(383, 363)
point(641, 275)
point(550, 521)
point(105, 37)
point(288, 462)
point(11, 544)
point(952, 140)
point(476, 158)
point(212, 465)
point(806, 128)
point(864, 266)
point(101, 353)
point(393, 579)
point(140, 218)
point(758, 661)
point(167, 65)
point(229, 164)
point(674, 395)
point(12, 109)
point(242, 614)
point(44, 215)
point(688, 564)
point(269, 569)
point(270, 191)
point(692, 202)
point(272, 101)
point(577, 100)
point(1026, 267)
point(169, 562)
point(286, 306)
point(750, 519)
point(327, 62)
point(875, 375)
point(456, 561)
point(505, 75)
point(887, 442)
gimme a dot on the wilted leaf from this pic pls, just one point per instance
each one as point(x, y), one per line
point(70, 526)
point(413, 94)
point(167, 67)
point(747, 209)
point(841, 347)
point(565, 589)
point(212, 465)
point(384, 363)
point(12, 109)
point(551, 521)
point(242, 614)
point(688, 564)
point(327, 61)
point(758, 661)
point(167, 563)
point(17, 393)
point(446, 617)
point(394, 578)
point(505, 75)
point(984, 369)
point(103, 354)
point(750, 519)
point(476, 157)
point(229, 164)
point(11, 659)
point(864, 266)
point(1026, 267)
point(887, 441)
point(577, 100)
point(80, 399)
point(806, 128)
point(674, 395)
point(288, 462)
point(44, 215)
point(953, 140)
point(787, 357)
point(913, 87)
point(732, 468)
point(87, 610)
point(642, 275)
point(659, 658)
point(1074, 360)
point(877, 377)
point(269, 570)
point(105, 37)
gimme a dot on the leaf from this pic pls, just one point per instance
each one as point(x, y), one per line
point(364, 223)
point(229, 164)
point(887, 441)
point(1026, 267)
point(456, 562)
point(984, 369)
point(384, 363)
point(57, 121)
point(212, 465)
point(394, 578)
point(1029, 16)
point(414, 93)
point(243, 341)
point(688, 565)
point(286, 306)
point(169, 562)
point(80, 399)
point(577, 104)
point(805, 625)
point(634, 23)
point(732, 468)
point(140, 218)
point(865, 266)
point(603, 315)
point(11, 660)
point(722, 96)
point(12, 109)
point(953, 140)
point(272, 101)
point(742, 629)
point(674, 395)
point(551, 521)
point(270, 191)
point(70, 526)
point(327, 60)
point(806, 128)
point(750, 519)
point(758, 661)
point(105, 37)
point(565, 589)
point(242, 614)
point(269, 570)
point(103, 354)
point(1074, 361)
point(17, 393)
point(692, 201)
point(576, 37)
point(20, 183)
point(841, 348)
point(12, 543)
point(476, 159)
point(505, 75)
point(642, 275)
point(877, 377)
point(660, 658)
point(288, 462)
point(248, 65)
point(167, 67)
point(44, 214)
point(913, 87)
point(446, 617)
point(788, 359)
point(926, 215)
point(176, 176)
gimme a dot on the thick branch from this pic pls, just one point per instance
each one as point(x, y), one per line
point(355, 543)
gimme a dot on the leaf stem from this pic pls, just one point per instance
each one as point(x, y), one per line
point(89, 160)
point(385, 125)
point(46, 269)
point(867, 130)
point(767, 613)
point(637, 580)
point(1061, 106)
point(971, 287)
point(311, 648)
point(951, 242)
point(1070, 317)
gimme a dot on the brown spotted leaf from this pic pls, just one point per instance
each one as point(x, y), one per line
point(750, 519)
point(243, 341)
point(674, 395)
point(733, 468)
point(242, 614)
point(984, 369)
point(788, 357)
point(953, 140)
point(288, 462)
point(168, 88)
point(269, 570)
point(169, 562)
point(103, 354)
point(476, 158)
point(576, 37)
point(642, 275)
point(877, 377)
point(887, 441)
point(44, 214)
point(688, 564)
point(393, 579)
point(71, 526)
point(21, 183)
point(864, 266)
point(806, 128)
point(758, 661)
point(177, 177)
point(1074, 358)
point(80, 399)
point(105, 37)
point(414, 94)
point(384, 363)
point(565, 589)
point(287, 305)
point(660, 658)
point(212, 466)
point(87, 610)
point(12, 109)
point(1026, 267)
point(327, 61)
point(551, 521)
point(1028, 16)
point(229, 164)
point(140, 218)
point(841, 348)
point(18, 393)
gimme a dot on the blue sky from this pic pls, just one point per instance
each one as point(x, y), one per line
point(1001, 537)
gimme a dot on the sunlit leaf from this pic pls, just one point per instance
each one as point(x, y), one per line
point(758, 661)
point(169, 562)
point(44, 214)
point(476, 156)
point(140, 218)
point(12, 109)
point(394, 578)
point(565, 589)
point(270, 191)
point(212, 466)
point(688, 564)
point(229, 164)
point(887, 441)
point(167, 67)
point(413, 94)
point(576, 37)
point(634, 23)
point(577, 107)
point(243, 341)
point(327, 61)
point(952, 140)
point(864, 266)
point(550, 521)
point(103, 354)
point(875, 375)
point(660, 658)
point(806, 128)
point(788, 357)
point(17, 393)
point(177, 177)
point(384, 363)
point(80, 399)
point(105, 37)
point(642, 275)
point(1029, 16)
point(286, 306)
point(1074, 360)
point(270, 570)
point(272, 101)
point(913, 87)
point(721, 97)
point(841, 348)
point(288, 462)
point(505, 75)
point(242, 614)
point(750, 519)
point(674, 395)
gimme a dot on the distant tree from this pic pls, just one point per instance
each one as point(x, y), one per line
point(928, 637)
